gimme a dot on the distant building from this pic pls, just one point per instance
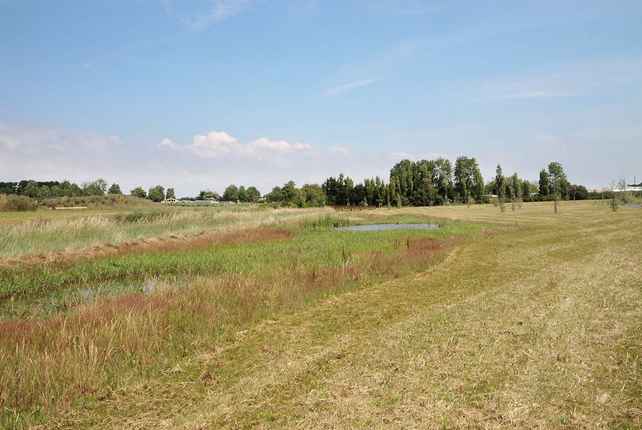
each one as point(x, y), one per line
point(170, 200)
point(635, 188)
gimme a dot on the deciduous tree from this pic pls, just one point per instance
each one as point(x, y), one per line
point(468, 179)
point(94, 188)
point(231, 193)
point(253, 194)
point(156, 194)
point(115, 189)
point(139, 192)
point(243, 197)
point(557, 179)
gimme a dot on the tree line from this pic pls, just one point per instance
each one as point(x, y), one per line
point(438, 182)
point(411, 183)
point(40, 190)
point(53, 189)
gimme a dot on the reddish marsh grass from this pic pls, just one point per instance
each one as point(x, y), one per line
point(418, 247)
point(48, 365)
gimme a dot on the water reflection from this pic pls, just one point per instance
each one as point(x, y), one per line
point(66, 300)
point(377, 227)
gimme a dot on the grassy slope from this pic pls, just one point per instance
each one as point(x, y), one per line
point(538, 325)
point(74, 232)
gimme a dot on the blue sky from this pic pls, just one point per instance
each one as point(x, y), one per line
point(200, 94)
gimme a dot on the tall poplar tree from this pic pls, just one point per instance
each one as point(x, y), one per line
point(544, 183)
point(500, 187)
point(517, 191)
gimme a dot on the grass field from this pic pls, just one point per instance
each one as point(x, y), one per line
point(524, 319)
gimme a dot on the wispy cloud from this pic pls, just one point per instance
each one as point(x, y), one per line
point(350, 86)
point(564, 80)
point(219, 11)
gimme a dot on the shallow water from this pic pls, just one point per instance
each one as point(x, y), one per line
point(66, 300)
point(377, 227)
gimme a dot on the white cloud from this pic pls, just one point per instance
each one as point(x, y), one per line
point(218, 144)
point(350, 86)
point(340, 150)
point(213, 145)
point(168, 143)
point(279, 145)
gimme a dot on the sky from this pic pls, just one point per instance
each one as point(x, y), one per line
point(200, 94)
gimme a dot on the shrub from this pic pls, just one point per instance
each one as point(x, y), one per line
point(92, 202)
point(15, 203)
point(146, 216)
point(326, 222)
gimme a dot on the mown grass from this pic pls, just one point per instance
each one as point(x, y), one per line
point(93, 348)
point(43, 235)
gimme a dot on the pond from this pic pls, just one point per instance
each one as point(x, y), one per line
point(377, 227)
